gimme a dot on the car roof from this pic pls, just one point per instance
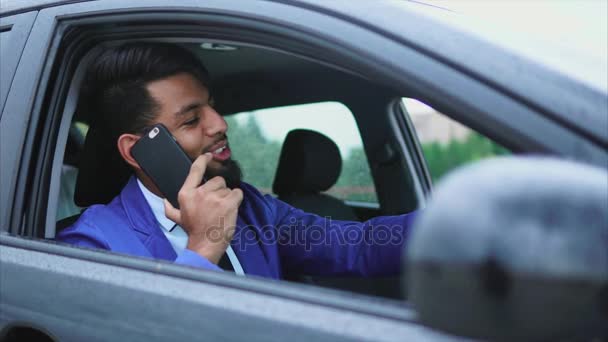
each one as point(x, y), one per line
point(18, 6)
point(447, 13)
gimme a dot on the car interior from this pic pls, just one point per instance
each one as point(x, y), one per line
point(310, 164)
point(246, 78)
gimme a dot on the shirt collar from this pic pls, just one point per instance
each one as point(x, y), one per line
point(158, 207)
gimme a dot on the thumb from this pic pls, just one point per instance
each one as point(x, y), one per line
point(172, 213)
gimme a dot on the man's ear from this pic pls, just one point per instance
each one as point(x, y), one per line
point(125, 144)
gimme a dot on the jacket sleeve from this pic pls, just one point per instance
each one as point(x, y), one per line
point(314, 245)
point(191, 258)
point(81, 235)
point(85, 234)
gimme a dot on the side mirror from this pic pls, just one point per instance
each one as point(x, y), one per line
point(514, 248)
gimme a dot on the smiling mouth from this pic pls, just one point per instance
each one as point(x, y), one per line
point(220, 150)
point(218, 147)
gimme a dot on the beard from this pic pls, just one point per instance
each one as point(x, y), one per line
point(230, 170)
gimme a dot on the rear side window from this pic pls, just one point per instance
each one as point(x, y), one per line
point(256, 139)
point(447, 144)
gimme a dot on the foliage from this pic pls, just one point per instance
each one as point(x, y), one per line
point(441, 158)
point(257, 156)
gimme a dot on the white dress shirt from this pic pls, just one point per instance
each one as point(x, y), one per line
point(178, 237)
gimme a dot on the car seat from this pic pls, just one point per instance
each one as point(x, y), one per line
point(309, 164)
point(101, 173)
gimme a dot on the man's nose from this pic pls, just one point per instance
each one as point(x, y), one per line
point(214, 123)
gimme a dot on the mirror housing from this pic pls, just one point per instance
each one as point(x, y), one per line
point(514, 248)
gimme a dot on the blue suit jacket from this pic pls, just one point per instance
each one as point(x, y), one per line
point(271, 239)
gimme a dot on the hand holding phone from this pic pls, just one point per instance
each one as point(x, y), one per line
point(207, 212)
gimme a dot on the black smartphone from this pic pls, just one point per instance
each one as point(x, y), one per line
point(163, 160)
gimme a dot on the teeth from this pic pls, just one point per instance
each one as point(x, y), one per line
point(219, 150)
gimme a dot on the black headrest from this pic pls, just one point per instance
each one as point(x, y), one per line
point(74, 146)
point(101, 173)
point(310, 163)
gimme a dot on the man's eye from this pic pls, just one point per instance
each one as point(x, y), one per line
point(192, 121)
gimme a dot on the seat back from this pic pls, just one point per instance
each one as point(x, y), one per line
point(309, 164)
point(101, 173)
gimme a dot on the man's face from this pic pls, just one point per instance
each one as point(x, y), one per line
point(185, 109)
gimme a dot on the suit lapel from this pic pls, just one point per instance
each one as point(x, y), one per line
point(144, 223)
point(247, 242)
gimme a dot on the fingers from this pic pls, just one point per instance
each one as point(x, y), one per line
point(222, 193)
point(215, 183)
point(237, 196)
point(197, 171)
point(172, 213)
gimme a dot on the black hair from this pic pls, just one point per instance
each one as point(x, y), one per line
point(114, 90)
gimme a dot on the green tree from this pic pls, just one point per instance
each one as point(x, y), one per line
point(257, 155)
point(441, 158)
point(355, 182)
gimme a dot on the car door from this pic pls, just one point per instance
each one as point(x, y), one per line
point(14, 30)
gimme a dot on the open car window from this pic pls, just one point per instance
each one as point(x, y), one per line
point(256, 139)
point(447, 144)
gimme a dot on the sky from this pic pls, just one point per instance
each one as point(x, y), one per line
point(570, 36)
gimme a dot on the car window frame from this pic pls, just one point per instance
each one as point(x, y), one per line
point(44, 121)
point(41, 201)
point(56, 78)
